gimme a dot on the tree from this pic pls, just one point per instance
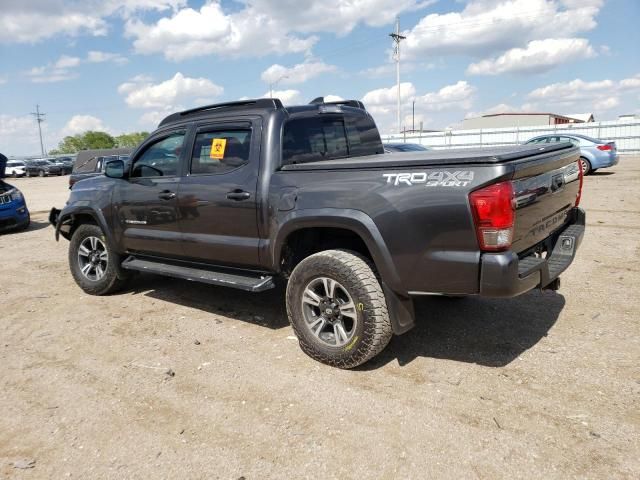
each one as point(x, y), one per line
point(130, 140)
point(90, 140)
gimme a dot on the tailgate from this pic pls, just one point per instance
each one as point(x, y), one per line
point(545, 192)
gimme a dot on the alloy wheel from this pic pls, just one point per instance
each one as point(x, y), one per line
point(93, 258)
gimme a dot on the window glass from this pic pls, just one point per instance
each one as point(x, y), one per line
point(161, 158)
point(569, 139)
point(312, 139)
point(220, 151)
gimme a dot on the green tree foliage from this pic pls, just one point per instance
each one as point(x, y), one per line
point(92, 140)
point(130, 140)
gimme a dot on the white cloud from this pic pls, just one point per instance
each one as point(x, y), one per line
point(3, 79)
point(487, 26)
point(58, 71)
point(192, 33)
point(82, 123)
point(297, 74)
point(95, 56)
point(333, 98)
point(382, 102)
point(35, 20)
point(140, 92)
point(598, 95)
point(456, 96)
point(19, 135)
point(260, 28)
point(537, 57)
point(288, 97)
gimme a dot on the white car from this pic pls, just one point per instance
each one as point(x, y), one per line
point(16, 168)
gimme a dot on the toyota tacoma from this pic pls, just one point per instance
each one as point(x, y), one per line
point(239, 194)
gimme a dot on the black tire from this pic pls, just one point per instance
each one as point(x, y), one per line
point(41, 173)
point(26, 225)
point(114, 277)
point(14, 174)
point(356, 274)
point(28, 174)
point(586, 166)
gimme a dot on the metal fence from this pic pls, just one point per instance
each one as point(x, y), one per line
point(626, 134)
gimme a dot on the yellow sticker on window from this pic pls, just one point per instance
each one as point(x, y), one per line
point(218, 146)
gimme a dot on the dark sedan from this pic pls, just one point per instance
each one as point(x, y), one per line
point(42, 168)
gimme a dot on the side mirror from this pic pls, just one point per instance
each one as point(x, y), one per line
point(115, 169)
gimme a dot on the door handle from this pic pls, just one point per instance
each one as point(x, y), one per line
point(167, 195)
point(238, 195)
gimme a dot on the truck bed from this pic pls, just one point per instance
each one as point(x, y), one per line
point(457, 156)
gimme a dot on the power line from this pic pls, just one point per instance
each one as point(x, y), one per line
point(39, 118)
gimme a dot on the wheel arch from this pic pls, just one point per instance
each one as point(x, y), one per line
point(362, 235)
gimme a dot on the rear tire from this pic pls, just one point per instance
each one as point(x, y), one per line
point(94, 265)
point(337, 308)
point(586, 166)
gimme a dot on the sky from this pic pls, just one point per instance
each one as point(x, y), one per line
point(122, 65)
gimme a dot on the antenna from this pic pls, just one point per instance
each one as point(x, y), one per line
point(39, 118)
point(397, 38)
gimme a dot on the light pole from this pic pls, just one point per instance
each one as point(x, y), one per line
point(413, 116)
point(275, 83)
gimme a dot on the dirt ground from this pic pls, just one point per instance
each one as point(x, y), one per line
point(542, 386)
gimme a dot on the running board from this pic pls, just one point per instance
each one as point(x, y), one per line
point(243, 282)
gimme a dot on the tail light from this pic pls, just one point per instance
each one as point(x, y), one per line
point(604, 148)
point(494, 213)
point(581, 175)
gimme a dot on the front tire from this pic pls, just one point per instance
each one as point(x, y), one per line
point(337, 308)
point(41, 173)
point(586, 166)
point(94, 265)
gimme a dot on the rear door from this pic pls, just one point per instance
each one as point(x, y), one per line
point(146, 203)
point(217, 199)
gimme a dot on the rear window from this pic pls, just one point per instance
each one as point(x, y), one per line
point(326, 137)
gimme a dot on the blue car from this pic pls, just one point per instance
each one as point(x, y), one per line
point(594, 153)
point(14, 213)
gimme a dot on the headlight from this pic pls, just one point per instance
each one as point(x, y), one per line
point(15, 195)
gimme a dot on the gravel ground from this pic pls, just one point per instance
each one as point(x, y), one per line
point(173, 379)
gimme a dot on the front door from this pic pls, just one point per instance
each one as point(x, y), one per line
point(217, 199)
point(146, 203)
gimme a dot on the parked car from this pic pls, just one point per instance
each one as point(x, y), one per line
point(42, 168)
point(404, 147)
point(239, 193)
point(65, 168)
point(16, 168)
point(91, 163)
point(594, 153)
point(14, 213)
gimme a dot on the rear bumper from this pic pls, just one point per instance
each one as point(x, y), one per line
point(507, 275)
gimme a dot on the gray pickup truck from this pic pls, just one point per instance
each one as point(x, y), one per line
point(239, 194)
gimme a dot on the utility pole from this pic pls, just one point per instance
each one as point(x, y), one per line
point(273, 84)
point(397, 38)
point(39, 118)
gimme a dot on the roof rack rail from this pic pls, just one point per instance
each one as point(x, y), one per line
point(346, 103)
point(266, 103)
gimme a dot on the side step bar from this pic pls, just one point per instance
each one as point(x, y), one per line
point(233, 280)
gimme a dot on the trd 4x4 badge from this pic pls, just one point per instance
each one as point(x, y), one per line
point(459, 178)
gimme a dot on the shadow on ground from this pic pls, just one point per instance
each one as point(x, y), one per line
point(265, 309)
point(489, 332)
point(33, 226)
point(601, 174)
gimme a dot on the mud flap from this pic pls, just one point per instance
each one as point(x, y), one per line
point(401, 311)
